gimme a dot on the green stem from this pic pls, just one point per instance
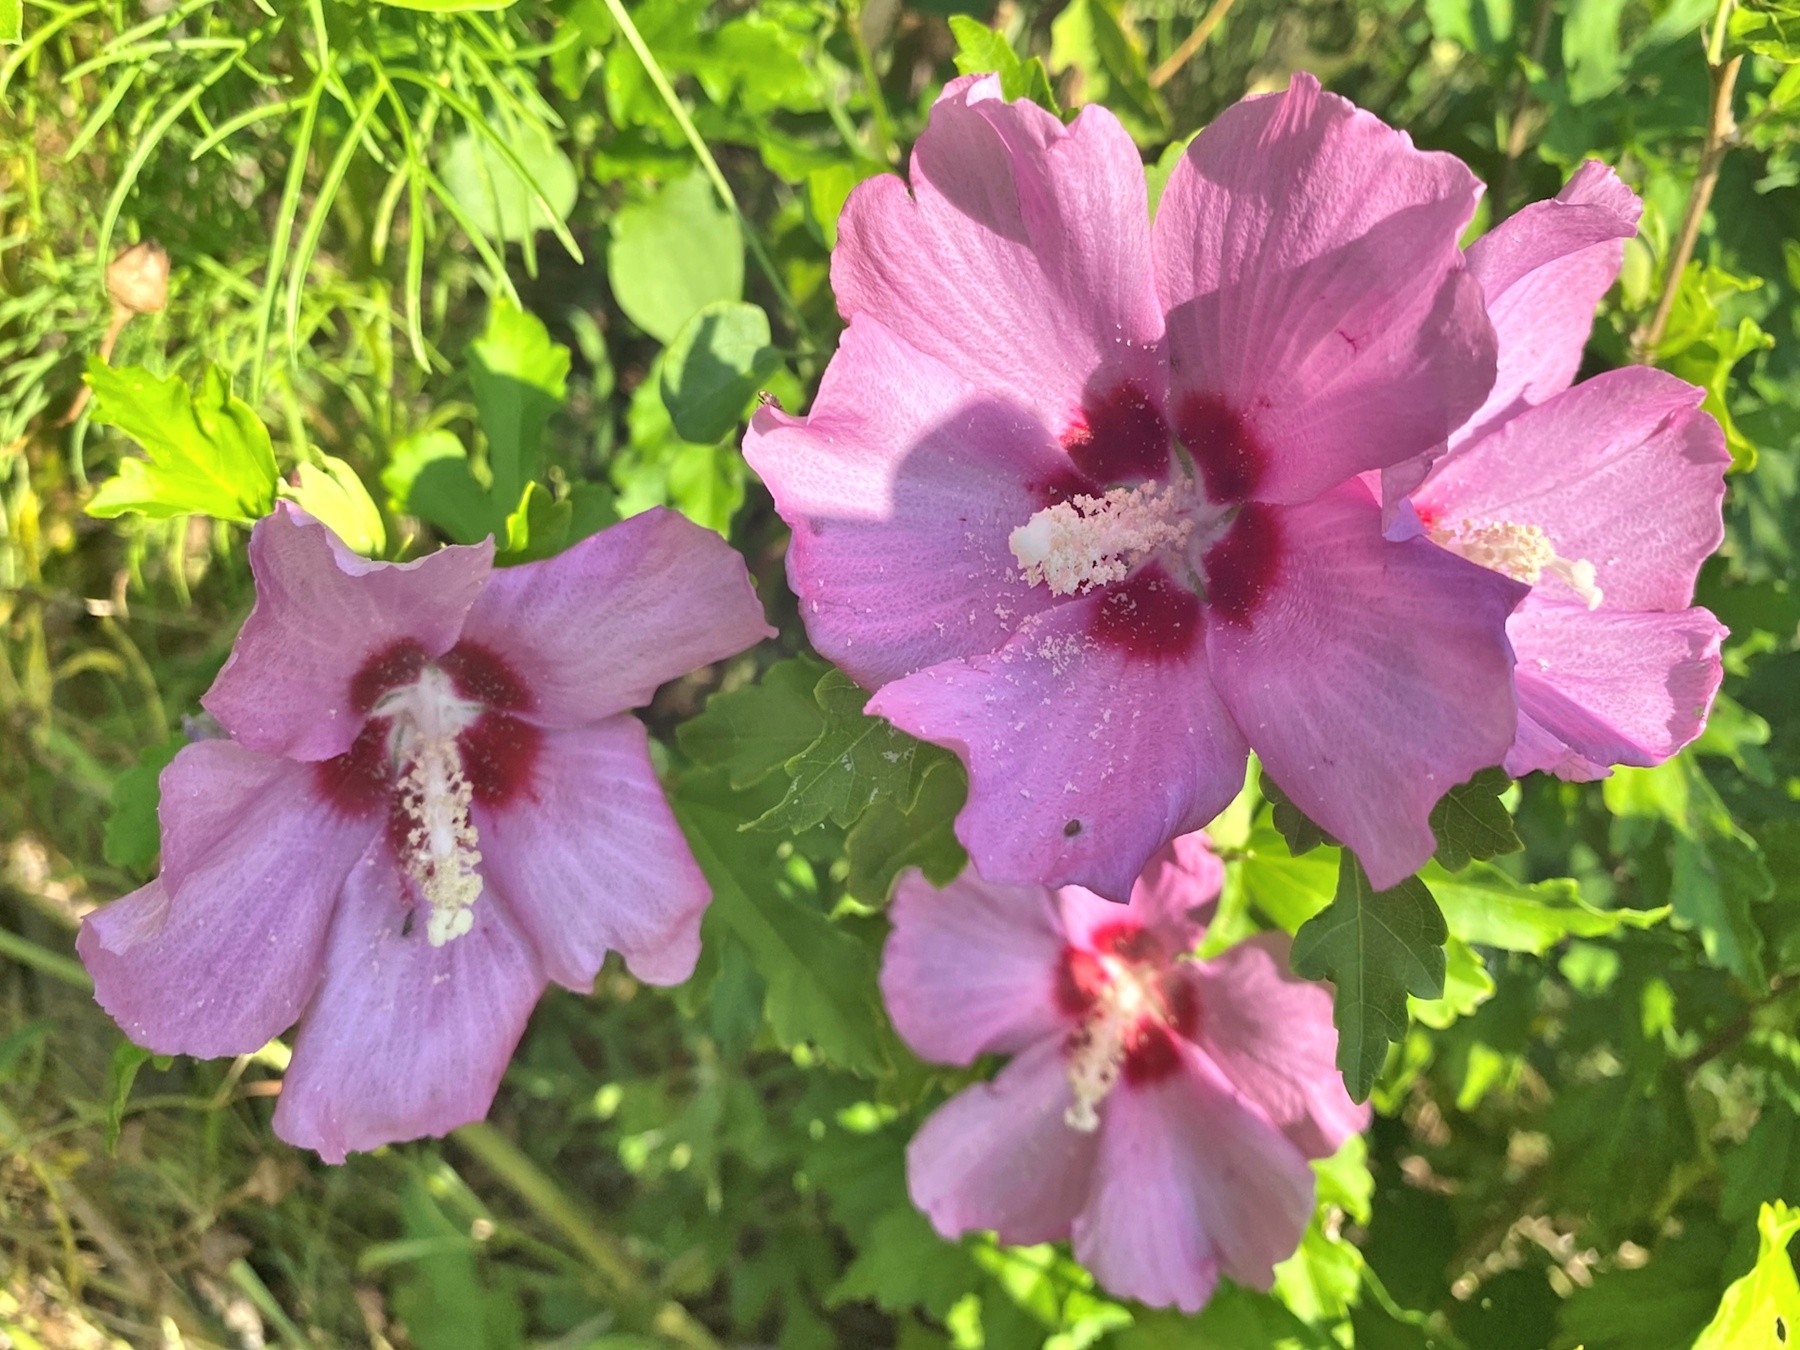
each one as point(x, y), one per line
point(28, 953)
point(602, 1251)
point(865, 61)
point(678, 110)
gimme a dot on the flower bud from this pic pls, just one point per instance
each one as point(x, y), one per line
point(138, 279)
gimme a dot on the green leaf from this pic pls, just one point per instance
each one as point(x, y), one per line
point(1235, 1318)
point(331, 493)
point(1484, 906)
point(429, 476)
point(703, 481)
point(820, 979)
point(1092, 38)
point(519, 378)
point(12, 20)
point(854, 760)
point(1591, 51)
point(208, 452)
point(446, 1303)
point(904, 1264)
point(889, 839)
point(126, 1061)
point(500, 203)
point(755, 730)
point(1761, 1311)
point(1769, 28)
point(980, 49)
point(673, 255)
point(1288, 890)
point(1471, 823)
point(1716, 870)
point(1376, 947)
point(1295, 826)
point(715, 367)
point(1467, 985)
point(133, 834)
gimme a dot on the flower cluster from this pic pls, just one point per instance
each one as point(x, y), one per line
point(1104, 504)
point(432, 801)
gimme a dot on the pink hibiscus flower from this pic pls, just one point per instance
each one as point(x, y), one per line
point(1605, 498)
point(432, 802)
point(1079, 498)
point(1159, 1110)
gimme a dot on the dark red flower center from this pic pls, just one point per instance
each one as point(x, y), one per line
point(440, 738)
point(1131, 1003)
point(1165, 539)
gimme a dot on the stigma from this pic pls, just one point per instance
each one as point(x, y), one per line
point(434, 833)
point(1085, 542)
point(1522, 552)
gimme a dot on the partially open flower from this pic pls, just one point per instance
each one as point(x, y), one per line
point(1604, 498)
point(1080, 495)
point(433, 801)
point(1159, 1111)
point(138, 279)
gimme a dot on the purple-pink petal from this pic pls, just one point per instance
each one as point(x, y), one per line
point(971, 969)
point(902, 487)
point(601, 625)
point(224, 949)
point(1604, 688)
point(589, 859)
point(1084, 756)
point(1306, 255)
point(321, 614)
point(1271, 1034)
point(404, 1039)
point(1021, 255)
point(1542, 272)
point(1371, 677)
point(999, 1156)
point(1623, 471)
point(1190, 1181)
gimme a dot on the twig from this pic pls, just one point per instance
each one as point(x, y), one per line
point(1191, 44)
point(1516, 124)
point(1721, 132)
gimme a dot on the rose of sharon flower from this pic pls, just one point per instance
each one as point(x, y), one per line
point(432, 802)
point(1079, 498)
point(1605, 498)
point(1159, 1110)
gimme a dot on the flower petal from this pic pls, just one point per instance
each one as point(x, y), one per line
point(223, 950)
point(590, 859)
point(1021, 257)
point(999, 1155)
point(404, 1039)
point(1175, 897)
point(1190, 1181)
point(1371, 676)
point(1623, 470)
point(971, 969)
point(1542, 272)
point(1084, 756)
point(321, 614)
point(1307, 256)
point(597, 628)
point(903, 486)
point(1602, 688)
point(1270, 1033)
